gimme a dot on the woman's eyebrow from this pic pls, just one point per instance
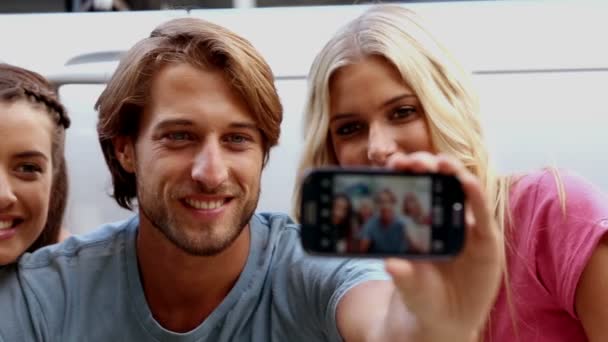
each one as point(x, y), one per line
point(31, 154)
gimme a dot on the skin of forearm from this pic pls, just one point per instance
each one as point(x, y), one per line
point(400, 325)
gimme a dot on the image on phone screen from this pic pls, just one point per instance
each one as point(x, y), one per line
point(382, 214)
point(373, 216)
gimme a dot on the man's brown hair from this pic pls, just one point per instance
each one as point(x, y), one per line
point(200, 44)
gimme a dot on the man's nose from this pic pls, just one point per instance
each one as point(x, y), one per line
point(209, 167)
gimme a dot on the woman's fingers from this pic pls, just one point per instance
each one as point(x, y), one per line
point(427, 162)
point(462, 289)
point(414, 282)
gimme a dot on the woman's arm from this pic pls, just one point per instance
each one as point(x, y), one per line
point(428, 300)
point(592, 296)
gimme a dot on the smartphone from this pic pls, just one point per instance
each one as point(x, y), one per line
point(380, 213)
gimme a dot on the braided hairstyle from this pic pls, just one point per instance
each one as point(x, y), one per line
point(18, 84)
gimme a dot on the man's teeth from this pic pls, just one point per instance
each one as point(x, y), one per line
point(205, 204)
point(6, 224)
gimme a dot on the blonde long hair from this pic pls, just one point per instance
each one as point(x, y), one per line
point(442, 86)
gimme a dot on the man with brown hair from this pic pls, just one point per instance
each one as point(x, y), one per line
point(385, 231)
point(186, 124)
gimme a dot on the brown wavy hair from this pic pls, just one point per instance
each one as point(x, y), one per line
point(18, 84)
point(198, 43)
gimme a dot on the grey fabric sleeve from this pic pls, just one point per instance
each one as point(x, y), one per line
point(324, 282)
point(15, 317)
point(356, 272)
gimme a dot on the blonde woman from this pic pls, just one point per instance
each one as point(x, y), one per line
point(384, 92)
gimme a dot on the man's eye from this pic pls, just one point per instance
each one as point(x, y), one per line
point(178, 136)
point(237, 139)
point(348, 128)
point(403, 112)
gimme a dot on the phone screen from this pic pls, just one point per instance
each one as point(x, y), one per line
point(382, 214)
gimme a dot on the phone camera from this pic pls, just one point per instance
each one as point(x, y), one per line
point(457, 214)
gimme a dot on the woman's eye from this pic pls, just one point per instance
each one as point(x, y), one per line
point(29, 168)
point(403, 112)
point(348, 128)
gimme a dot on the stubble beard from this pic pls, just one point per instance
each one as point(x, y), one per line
point(210, 239)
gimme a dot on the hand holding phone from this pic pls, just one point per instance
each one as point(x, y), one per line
point(382, 213)
point(457, 291)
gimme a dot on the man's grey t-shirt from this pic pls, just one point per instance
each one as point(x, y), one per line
point(88, 289)
point(385, 238)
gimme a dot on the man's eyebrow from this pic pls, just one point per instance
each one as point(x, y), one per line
point(172, 123)
point(244, 125)
point(31, 154)
point(169, 123)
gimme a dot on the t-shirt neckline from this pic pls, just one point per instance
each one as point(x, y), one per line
point(215, 319)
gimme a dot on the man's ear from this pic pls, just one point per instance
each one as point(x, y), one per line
point(125, 152)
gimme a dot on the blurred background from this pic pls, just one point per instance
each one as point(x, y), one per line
point(28, 6)
point(540, 69)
